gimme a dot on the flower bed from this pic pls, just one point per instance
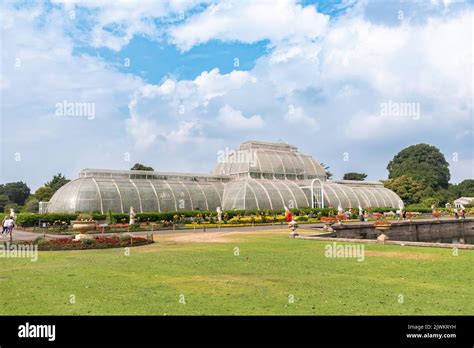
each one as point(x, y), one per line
point(328, 219)
point(382, 223)
point(101, 242)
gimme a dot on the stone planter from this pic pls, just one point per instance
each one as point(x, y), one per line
point(83, 226)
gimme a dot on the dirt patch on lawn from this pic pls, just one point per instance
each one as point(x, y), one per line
point(401, 255)
point(219, 237)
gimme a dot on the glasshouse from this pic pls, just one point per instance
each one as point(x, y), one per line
point(259, 175)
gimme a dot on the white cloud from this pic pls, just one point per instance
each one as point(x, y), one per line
point(115, 23)
point(340, 71)
point(40, 70)
point(235, 120)
point(212, 84)
point(298, 117)
point(250, 21)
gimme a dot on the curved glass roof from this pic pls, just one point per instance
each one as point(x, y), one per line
point(276, 194)
point(353, 196)
point(279, 160)
point(118, 195)
point(264, 194)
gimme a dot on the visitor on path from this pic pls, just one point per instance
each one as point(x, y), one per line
point(399, 214)
point(404, 214)
point(463, 213)
point(340, 210)
point(361, 215)
point(288, 215)
point(5, 225)
point(10, 224)
point(456, 213)
point(347, 214)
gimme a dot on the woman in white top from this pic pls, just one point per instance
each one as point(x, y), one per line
point(10, 224)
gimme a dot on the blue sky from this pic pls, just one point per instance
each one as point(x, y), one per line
point(171, 83)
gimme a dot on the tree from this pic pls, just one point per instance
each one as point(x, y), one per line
point(31, 205)
point(44, 194)
point(354, 176)
point(139, 166)
point(326, 169)
point(422, 162)
point(409, 189)
point(4, 201)
point(464, 189)
point(57, 181)
point(17, 192)
point(7, 208)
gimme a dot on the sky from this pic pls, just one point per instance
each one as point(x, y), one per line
point(173, 83)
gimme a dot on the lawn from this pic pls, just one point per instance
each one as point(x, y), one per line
point(245, 273)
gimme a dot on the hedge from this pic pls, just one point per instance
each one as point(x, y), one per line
point(32, 219)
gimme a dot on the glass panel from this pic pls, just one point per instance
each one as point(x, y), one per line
point(197, 195)
point(183, 200)
point(260, 193)
point(212, 191)
point(129, 195)
point(147, 196)
point(288, 198)
point(110, 195)
point(88, 198)
point(165, 196)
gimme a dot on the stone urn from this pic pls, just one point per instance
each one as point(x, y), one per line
point(293, 225)
point(83, 226)
point(382, 238)
point(82, 236)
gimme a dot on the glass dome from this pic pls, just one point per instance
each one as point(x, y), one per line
point(265, 160)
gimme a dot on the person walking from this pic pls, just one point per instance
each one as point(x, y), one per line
point(10, 225)
point(361, 215)
point(347, 213)
point(4, 225)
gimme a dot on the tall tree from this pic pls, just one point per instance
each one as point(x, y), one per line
point(44, 194)
point(354, 176)
point(17, 192)
point(57, 181)
point(139, 166)
point(409, 189)
point(326, 169)
point(422, 162)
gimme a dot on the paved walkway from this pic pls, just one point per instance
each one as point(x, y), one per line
point(25, 236)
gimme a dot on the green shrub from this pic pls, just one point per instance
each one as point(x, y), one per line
point(31, 219)
point(88, 242)
point(125, 237)
point(39, 240)
point(85, 216)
